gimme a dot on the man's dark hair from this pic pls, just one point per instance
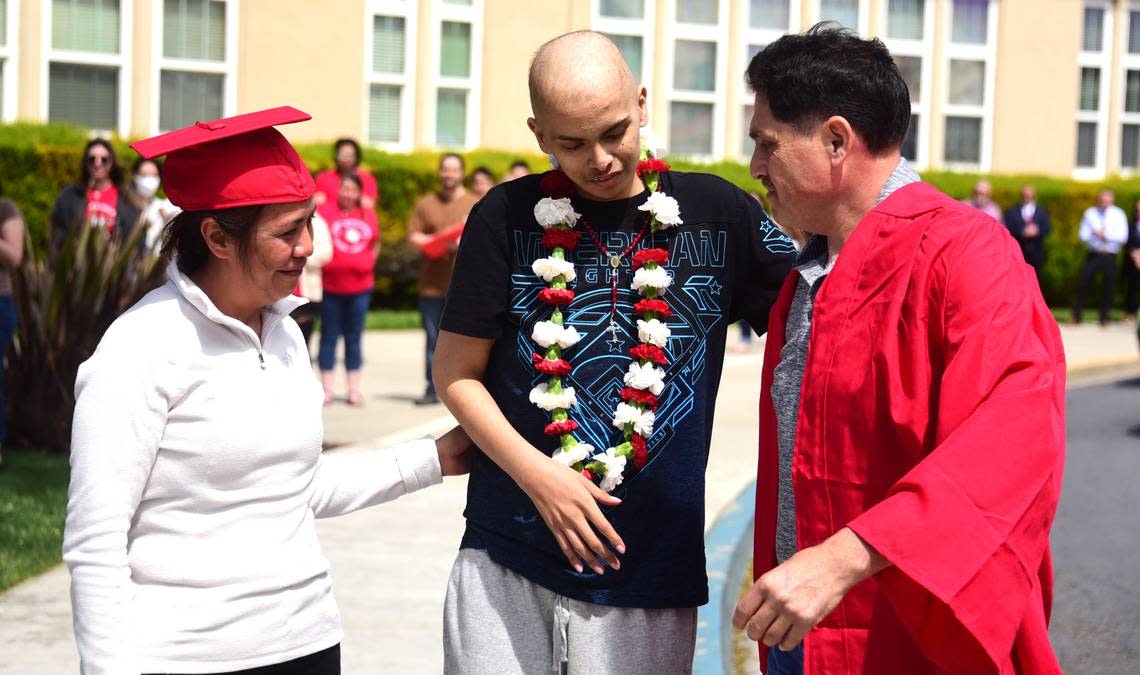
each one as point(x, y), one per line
point(462, 163)
point(828, 71)
point(520, 164)
point(485, 171)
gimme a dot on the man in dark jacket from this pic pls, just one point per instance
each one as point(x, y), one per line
point(1029, 224)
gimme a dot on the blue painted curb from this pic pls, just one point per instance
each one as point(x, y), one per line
point(728, 548)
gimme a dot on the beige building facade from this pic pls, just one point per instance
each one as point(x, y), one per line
point(1041, 86)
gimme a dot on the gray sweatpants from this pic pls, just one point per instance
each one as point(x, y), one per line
point(495, 621)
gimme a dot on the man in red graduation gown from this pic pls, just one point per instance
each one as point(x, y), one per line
point(912, 410)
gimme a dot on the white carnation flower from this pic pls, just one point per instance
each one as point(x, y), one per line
point(550, 402)
point(548, 333)
point(653, 332)
point(664, 208)
point(572, 455)
point(648, 377)
point(642, 420)
point(548, 268)
point(657, 278)
point(615, 467)
point(550, 212)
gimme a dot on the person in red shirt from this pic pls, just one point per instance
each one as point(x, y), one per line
point(97, 199)
point(912, 405)
point(348, 280)
point(346, 153)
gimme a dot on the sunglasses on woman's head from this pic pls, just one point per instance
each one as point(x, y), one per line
point(98, 159)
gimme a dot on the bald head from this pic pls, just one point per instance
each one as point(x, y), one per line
point(577, 71)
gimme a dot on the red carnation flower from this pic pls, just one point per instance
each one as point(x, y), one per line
point(560, 428)
point(551, 367)
point(649, 353)
point(631, 395)
point(640, 452)
point(557, 185)
point(587, 475)
point(646, 255)
point(653, 305)
point(554, 237)
point(556, 296)
point(652, 165)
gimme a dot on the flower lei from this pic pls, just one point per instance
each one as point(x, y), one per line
point(644, 381)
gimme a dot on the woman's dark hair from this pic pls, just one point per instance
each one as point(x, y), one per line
point(485, 171)
point(143, 160)
point(116, 173)
point(355, 180)
point(827, 71)
point(182, 236)
point(341, 142)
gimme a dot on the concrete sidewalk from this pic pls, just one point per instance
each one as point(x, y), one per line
point(390, 564)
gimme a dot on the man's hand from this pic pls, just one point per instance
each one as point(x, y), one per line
point(788, 601)
point(1030, 230)
point(1135, 253)
point(454, 450)
point(567, 503)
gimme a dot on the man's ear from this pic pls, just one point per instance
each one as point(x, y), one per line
point(642, 105)
point(538, 135)
point(220, 245)
point(839, 136)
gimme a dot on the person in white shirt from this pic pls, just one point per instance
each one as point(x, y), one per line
point(1104, 230)
point(146, 178)
point(197, 470)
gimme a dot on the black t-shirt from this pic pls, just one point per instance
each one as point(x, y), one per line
point(727, 260)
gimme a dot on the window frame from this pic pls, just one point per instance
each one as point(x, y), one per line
point(1101, 60)
point(473, 15)
point(10, 62)
point(1128, 61)
point(406, 81)
point(864, 13)
point(640, 28)
point(985, 52)
point(121, 61)
point(763, 36)
point(226, 68)
point(695, 32)
point(922, 49)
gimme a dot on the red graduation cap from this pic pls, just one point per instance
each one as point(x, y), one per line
point(236, 161)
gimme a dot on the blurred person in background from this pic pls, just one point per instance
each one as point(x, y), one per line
point(11, 255)
point(1029, 223)
point(1131, 271)
point(311, 286)
point(982, 199)
point(482, 180)
point(347, 281)
point(146, 179)
point(518, 169)
point(346, 153)
point(432, 214)
point(98, 199)
point(1104, 230)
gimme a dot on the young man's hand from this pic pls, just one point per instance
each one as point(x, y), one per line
point(455, 451)
point(568, 503)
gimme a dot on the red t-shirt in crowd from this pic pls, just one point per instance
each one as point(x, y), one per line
point(328, 182)
point(354, 234)
point(102, 208)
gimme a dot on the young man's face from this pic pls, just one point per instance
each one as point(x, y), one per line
point(795, 168)
point(596, 141)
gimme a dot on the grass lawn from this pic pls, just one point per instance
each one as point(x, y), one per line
point(1089, 315)
point(33, 505)
point(392, 319)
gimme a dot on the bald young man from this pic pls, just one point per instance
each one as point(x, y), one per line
point(554, 574)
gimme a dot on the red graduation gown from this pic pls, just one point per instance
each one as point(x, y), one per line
point(932, 424)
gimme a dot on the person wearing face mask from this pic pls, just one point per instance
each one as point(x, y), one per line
point(97, 199)
point(146, 177)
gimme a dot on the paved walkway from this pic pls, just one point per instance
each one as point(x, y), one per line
point(390, 564)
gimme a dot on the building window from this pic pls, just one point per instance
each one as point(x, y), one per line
point(197, 64)
point(629, 24)
point(1130, 118)
point(390, 49)
point(85, 61)
point(1094, 63)
point(909, 148)
point(905, 19)
point(767, 21)
point(459, 32)
point(9, 17)
point(909, 35)
point(843, 12)
point(697, 70)
point(769, 15)
point(1134, 32)
point(969, 84)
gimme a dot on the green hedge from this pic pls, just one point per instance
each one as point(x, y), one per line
point(37, 160)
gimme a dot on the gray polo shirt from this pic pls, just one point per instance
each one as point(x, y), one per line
point(813, 267)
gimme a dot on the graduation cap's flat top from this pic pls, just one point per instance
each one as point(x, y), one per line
point(236, 161)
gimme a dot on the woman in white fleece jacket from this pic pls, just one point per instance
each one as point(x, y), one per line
point(197, 470)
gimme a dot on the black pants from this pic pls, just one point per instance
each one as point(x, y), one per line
point(1105, 263)
point(325, 662)
point(1131, 285)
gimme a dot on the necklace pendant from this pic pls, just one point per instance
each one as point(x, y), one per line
point(615, 261)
